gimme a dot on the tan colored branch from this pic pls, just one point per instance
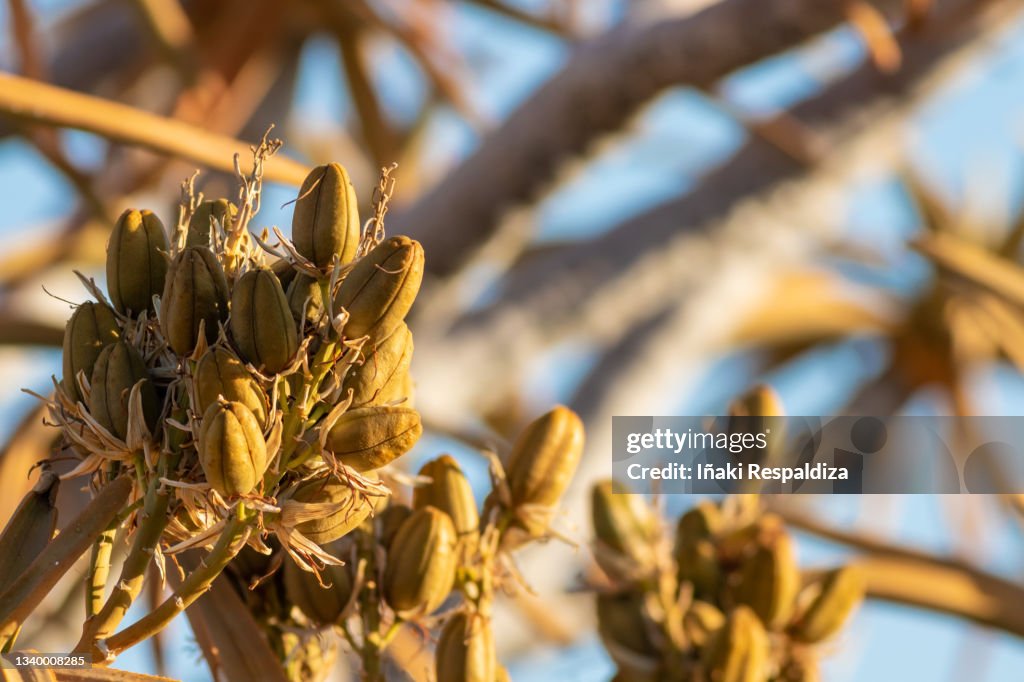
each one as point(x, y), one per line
point(42, 103)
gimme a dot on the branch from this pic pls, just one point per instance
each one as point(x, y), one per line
point(604, 84)
point(42, 103)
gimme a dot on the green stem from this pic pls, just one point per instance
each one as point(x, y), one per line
point(99, 571)
point(231, 541)
point(23, 595)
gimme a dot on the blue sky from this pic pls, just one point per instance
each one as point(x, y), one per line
point(972, 129)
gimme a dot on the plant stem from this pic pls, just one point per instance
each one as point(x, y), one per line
point(25, 593)
point(231, 541)
point(99, 570)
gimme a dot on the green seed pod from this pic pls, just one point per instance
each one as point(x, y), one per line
point(698, 565)
point(30, 528)
point(544, 458)
point(91, 327)
point(322, 605)
point(389, 521)
point(381, 377)
point(466, 651)
point(449, 491)
point(285, 272)
point(196, 291)
point(702, 522)
point(769, 581)
point(220, 210)
point(831, 601)
point(305, 299)
point(622, 623)
point(136, 261)
point(326, 219)
point(118, 368)
point(370, 437)
point(349, 511)
point(738, 651)
point(381, 288)
point(261, 321)
point(420, 571)
point(627, 529)
point(220, 374)
point(701, 621)
point(232, 450)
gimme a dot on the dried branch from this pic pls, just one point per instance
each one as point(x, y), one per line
point(42, 103)
point(601, 87)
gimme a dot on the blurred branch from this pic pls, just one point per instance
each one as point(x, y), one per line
point(605, 82)
point(42, 103)
point(16, 330)
point(28, 444)
point(169, 25)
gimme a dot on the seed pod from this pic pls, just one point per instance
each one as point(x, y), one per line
point(389, 521)
point(322, 605)
point(831, 600)
point(626, 528)
point(449, 491)
point(701, 621)
point(232, 450)
point(30, 528)
point(136, 261)
point(196, 291)
point(325, 223)
point(220, 374)
point(799, 669)
point(738, 651)
point(370, 437)
point(381, 377)
point(698, 565)
point(421, 566)
point(702, 522)
point(622, 623)
point(118, 368)
point(199, 225)
point(305, 299)
point(91, 327)
point(345, 509)
point(285, 272)
point(381, 288)
point(544, 458)
point(769, 581)
point(261, 321)
point(466, 651)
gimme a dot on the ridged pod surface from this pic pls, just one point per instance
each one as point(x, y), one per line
point(769, 581)
point(199, 225)
point(352, 509)
point(262, 327)
point(370, 437)
point(381, 377)
point(379, 291)
point(91, 327)
point(625, 524)
point(136, 261)
point(305, 298)
point(738, 651)
point(219, 373)
point(389, 521)
point(449, 490)
point(622, 624)
point(322, 605)
point(325, 223)
point(544, 458)
point(118, 368)
point(196, 291)
point(421, 565)
point(232, 450)
point(832, 600)
point(466, 651)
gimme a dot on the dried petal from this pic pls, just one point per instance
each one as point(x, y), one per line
point(136, 261)
point(344, 509)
